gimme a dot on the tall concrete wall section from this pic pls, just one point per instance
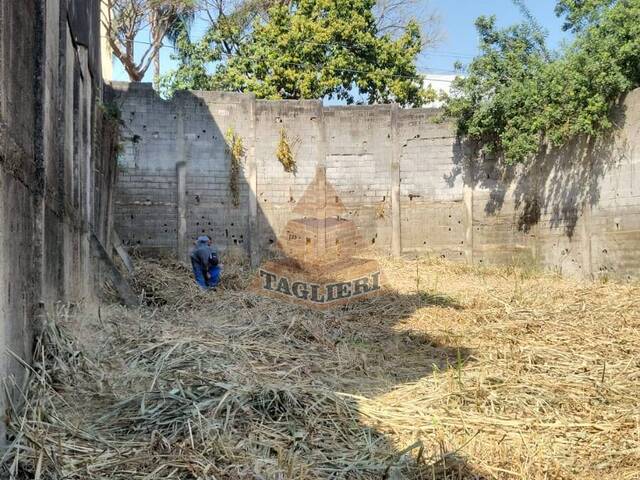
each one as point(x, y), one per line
point(278, 190)
point(611, 211)
point(574, 210)
point(359, 168)
point(405, 179)
point(54, 182)
point(176, 155)
point(431, 186)
point(18, 184)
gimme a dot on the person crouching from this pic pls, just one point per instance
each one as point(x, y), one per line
point(200, 257)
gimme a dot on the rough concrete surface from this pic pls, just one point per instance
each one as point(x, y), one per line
point(56, 174)
point(575, 210)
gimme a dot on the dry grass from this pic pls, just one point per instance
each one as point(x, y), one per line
point(456, 373)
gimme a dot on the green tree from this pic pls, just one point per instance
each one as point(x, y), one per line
point(516, 98)
point(306, 49)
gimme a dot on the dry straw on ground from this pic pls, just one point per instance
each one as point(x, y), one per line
point(455, 373)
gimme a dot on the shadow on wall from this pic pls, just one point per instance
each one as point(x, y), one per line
point(179, 177)
point(557, 184)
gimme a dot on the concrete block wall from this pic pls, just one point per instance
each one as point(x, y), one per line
point(180, 146)
point(405, 179)
point(55, 182)
point(431, 186)
point(277, 190)
point(359, 167)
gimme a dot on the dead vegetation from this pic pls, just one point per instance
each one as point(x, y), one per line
point(455, 373)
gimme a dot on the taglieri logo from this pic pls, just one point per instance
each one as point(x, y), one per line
point(319, 267)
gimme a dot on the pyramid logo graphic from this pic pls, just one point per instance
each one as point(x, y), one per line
point(320, 267)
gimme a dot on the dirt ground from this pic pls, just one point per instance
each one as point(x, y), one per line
point(455, 372)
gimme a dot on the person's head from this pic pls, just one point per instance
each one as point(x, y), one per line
point(203, 240)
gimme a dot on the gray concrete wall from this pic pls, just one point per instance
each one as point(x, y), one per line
point(407, 182)
point(55, 184)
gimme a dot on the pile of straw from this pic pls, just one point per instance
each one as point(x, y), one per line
point(455, 373)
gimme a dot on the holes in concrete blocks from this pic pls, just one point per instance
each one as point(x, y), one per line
point(424, 243)
point(235, 241)
point(232, 224)
point(337, 200)
point(373, 241)
point(449, 228)
point(242, 237)
point(460, 253)
point(605, 251)
point(198, 136)
point(271, 240)
point(204, 131)
point(307, 241)
point(449, 215)
point(226, 233)
point(144, 127)
point(209, 223)
point(443, 256)
point(197, 198)
point(131, 217)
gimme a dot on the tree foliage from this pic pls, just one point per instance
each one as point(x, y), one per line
point(304, 49)
point(517, 98)
point(125, 20)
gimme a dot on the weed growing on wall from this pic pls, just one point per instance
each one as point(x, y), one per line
point(111, 117)
point(236, 151)
point(284, 152)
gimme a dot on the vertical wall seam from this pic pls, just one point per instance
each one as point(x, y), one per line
point(396, 220)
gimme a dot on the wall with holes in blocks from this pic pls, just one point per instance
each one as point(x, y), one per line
point(574, 210)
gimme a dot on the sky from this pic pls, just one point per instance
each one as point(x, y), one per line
point(459, 39)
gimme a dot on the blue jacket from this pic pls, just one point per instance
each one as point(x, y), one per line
point(202, 253)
